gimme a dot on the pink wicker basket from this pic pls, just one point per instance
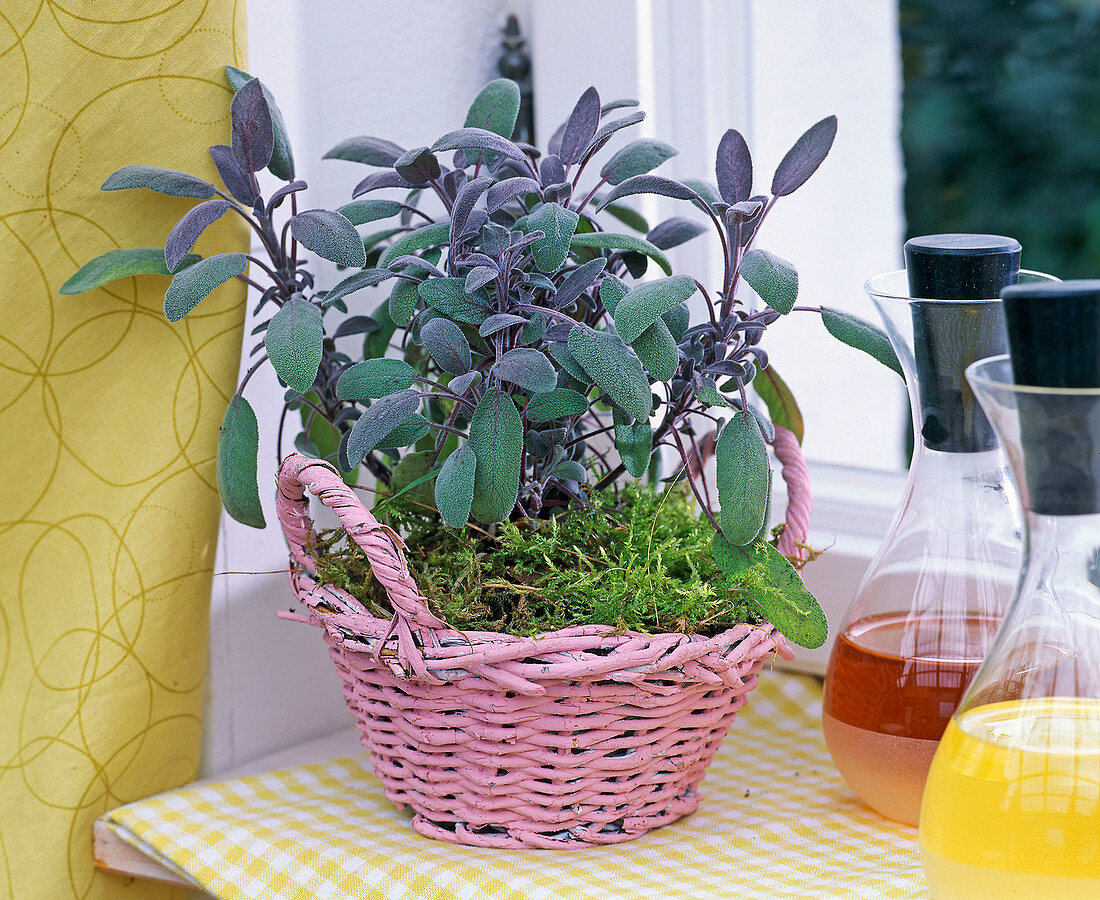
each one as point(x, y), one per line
point(578, 737)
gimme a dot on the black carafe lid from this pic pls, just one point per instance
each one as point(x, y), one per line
point(1054, 339)
point(948, 336)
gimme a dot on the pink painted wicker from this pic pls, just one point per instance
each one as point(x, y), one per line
point(578, 737)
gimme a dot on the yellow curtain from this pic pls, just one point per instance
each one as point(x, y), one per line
point(108, 423)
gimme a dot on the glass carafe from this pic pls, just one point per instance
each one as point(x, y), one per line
point(1012, 803)
point(934, 596)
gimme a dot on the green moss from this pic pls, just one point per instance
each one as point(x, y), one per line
point(643, 565)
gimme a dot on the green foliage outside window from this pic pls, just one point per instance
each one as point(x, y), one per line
point(1001, 125)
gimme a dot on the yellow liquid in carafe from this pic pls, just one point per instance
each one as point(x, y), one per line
point(1012, 803)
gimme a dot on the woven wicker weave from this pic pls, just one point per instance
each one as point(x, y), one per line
point(581, 736)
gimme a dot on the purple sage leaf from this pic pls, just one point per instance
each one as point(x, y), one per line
point(253, 133)
point(234, 178)
point(379, 180)
point(650, 184)
point(802, 160)
point(478, 139)
point(733, 167)
point(282, 193)
point(187, 230)
point(582, 124)
point(505, 191)
point(418, 166)
point(464, 202)
point(370, 151)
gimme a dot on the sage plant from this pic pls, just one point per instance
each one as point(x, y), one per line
point(524, 353)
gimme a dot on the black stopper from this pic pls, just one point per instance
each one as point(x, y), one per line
point(946, 270)
point(961, 266)
point(1054, 338)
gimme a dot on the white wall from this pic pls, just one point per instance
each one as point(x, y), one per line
point(767, 67)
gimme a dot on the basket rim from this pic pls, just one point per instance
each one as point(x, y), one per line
point(415, 642)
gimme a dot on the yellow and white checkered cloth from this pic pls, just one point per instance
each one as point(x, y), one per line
point(776, 821)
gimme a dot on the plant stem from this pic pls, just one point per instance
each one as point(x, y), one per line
point(250, 373)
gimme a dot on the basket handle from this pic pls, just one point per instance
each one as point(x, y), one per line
point(383, 547)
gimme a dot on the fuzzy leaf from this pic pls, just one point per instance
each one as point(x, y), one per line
point(496, 436)
point(428, 236)
point(777, 590)
point(571, 470)
point(464, 202)
point(528, 368)
point(282, 193)
point(370, 151)
point(182, 237)
point(448, 296)
point(578, 281)
point(238, 446)
point(657, 351)
point(253, 131)
point(234, 178)
point(561, 355)
point(733, 167)
point(463, 383)
point(355, 325)
point(116, 264)
point(355, 282)
point(557, 225)
point(612, 290)
point(383, 416)
point(780, 401)
point(773, 278)
point(649, 184)
point(480, 276)
point(193, 284)
point(374, 378)
point(601, 137)
point(677, 319)
point(377, 181)
point(636, 158)
point(635, 445)
point(499, 321)
point(159, 179)
point(294, 340)
point(454, 486)
point(359, 212)
point(614, 367)
point(405, 434)
point(411, 476)
point(558, 403)
point(742, 463)
point(330, 236)
point(281, 164)
point(418, 166)
point(855, 332)
point(495, 109)
point(802, 160)
point(644, 304)
point(447, 345)
point(504, 191)
point(478, 139)
point(580, 127)
point(606, 240)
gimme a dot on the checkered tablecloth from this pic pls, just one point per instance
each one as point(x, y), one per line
point(776, 821)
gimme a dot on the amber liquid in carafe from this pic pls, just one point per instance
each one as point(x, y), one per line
point(893, 685)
